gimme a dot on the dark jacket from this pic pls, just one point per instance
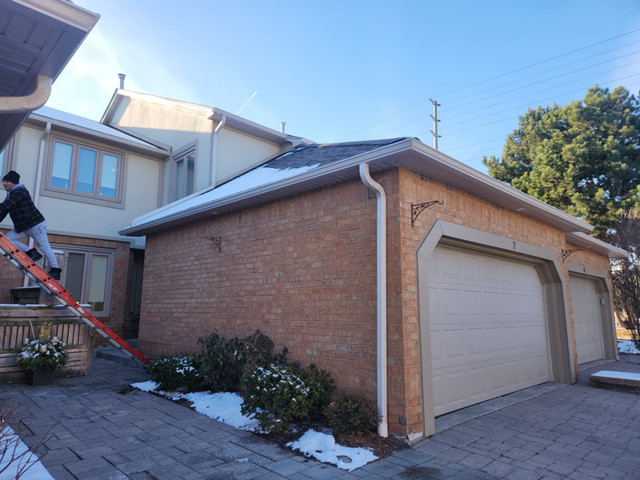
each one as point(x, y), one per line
point(20, 207)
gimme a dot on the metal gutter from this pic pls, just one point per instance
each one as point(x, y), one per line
point(591, 243)
point(407, 153)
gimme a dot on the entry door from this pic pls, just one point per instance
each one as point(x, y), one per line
point(488, 327)
point(585, 301)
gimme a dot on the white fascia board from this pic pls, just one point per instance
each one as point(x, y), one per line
point(64, 11)
point(583, 240)
point(490, 186)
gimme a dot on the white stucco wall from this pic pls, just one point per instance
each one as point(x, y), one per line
point(76, 217)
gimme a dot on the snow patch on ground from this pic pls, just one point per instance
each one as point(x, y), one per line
point(627, 346)
point(225, 407)
point(35, 471)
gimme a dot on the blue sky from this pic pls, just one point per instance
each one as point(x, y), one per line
point(354, 69)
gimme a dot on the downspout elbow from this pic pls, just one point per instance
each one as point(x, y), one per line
point(381, 295)
point(31, 102)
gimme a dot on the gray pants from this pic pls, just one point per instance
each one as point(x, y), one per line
point(39, 235)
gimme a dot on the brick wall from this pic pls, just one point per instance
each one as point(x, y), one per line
point(302, 270)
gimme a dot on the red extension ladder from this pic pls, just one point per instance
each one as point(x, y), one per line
point(42, 278)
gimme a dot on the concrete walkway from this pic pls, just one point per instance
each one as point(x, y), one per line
point(93, 430)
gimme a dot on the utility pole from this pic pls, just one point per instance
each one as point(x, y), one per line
point(434, 132)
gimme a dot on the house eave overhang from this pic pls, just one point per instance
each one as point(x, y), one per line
point(57, 28)
point(410, 154)
point(587, 242)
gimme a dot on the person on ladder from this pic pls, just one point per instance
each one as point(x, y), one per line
point(27, 222)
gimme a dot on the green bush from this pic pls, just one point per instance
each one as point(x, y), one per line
point(321, 387)
point(275, 396)
point(225, 362)
point(282, 394)
point(178, 373)
point(350, 413)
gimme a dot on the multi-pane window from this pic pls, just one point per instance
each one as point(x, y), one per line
point(85, 170)
point(88, 275)
point(185, 166)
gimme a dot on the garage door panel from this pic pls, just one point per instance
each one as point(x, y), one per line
point(488, 328)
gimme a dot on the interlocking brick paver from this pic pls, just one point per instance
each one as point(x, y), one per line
point(92, 431)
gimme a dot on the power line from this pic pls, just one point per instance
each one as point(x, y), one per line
point(385, 119)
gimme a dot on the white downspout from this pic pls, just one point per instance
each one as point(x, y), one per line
point(214, 148)
point(36, 188)
point(381, 293)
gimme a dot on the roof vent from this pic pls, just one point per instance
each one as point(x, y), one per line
point(121, 76)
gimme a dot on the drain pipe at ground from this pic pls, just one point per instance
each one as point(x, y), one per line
point(381, 294)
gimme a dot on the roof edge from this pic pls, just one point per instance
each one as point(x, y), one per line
point(486, 181)
point(580, 239)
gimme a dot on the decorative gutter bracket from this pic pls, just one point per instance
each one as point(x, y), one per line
point(418, 208)
point(217, 241)
point(567, 253)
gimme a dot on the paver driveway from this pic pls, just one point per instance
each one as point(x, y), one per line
point(92, 431)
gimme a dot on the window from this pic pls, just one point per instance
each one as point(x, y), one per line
point(184, 167)
point(88, 274)
point(85, 170)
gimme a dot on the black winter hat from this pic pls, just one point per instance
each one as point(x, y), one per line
point(12, 177)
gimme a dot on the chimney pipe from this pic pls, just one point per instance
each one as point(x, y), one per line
point(282, 124)
point(121, 76)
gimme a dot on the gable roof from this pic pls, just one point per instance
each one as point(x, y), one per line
point(315, 166)
point(121, 97)
point(37, 38)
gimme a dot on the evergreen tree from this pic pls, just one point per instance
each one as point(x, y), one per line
point(583, 158)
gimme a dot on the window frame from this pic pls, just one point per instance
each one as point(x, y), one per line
point(72, 193)
point(88, 252)
point(181, 155)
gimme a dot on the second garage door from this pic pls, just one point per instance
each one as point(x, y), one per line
point(585, 301)
point(488, 327)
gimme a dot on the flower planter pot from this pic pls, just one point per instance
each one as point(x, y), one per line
point(40, 376)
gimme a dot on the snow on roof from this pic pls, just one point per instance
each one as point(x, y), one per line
point(88, 124)
point(285, 166)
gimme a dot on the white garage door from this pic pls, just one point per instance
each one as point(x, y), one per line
point(488, 328)
point(586, 316)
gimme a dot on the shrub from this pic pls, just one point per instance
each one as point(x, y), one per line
point(225, 362)
point(275, 396)
point(321, 387)
point(351, 413)
point(178, 372)
point(282, 394)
